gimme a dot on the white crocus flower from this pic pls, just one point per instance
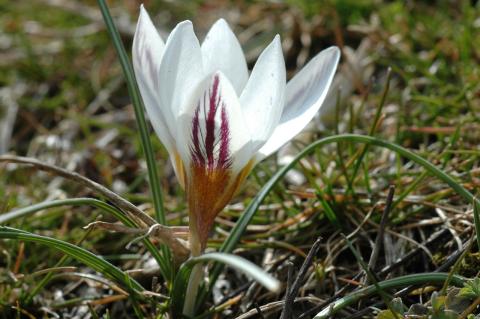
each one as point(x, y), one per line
point(215, 120)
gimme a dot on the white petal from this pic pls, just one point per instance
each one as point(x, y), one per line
point(181, 69)
point(305, 94)
point(212, 131)
point(148, 49)
point(263, 97)
point(222, 52)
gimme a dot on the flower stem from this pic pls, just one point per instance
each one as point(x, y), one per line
point(193, 284)
point(196, 276)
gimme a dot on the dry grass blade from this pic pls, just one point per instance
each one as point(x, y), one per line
point(383, 223)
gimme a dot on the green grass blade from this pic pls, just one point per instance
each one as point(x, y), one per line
point(82, 201)
point(239, 263)
point(399, 282)
point(373, 128)
point(476, 219)
point(46, 279)
point(234, 237)
point(179, 291)
point(76, 252)
point(142, 128)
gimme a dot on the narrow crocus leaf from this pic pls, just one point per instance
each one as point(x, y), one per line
point(476, 219)
point(248, 268)
point(164, 258)
point(76, 252)
point(400, 282)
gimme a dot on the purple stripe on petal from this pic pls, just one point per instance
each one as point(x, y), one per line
point(224, 159)
point(196, 150)
point(210, 122)
point(210, 147)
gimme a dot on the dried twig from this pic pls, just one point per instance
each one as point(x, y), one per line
point(293, 291)
point(449, 226)
point(259, 311)
point(170, 236)
point(116, 228)
point(275, 306)
point(176, 231)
